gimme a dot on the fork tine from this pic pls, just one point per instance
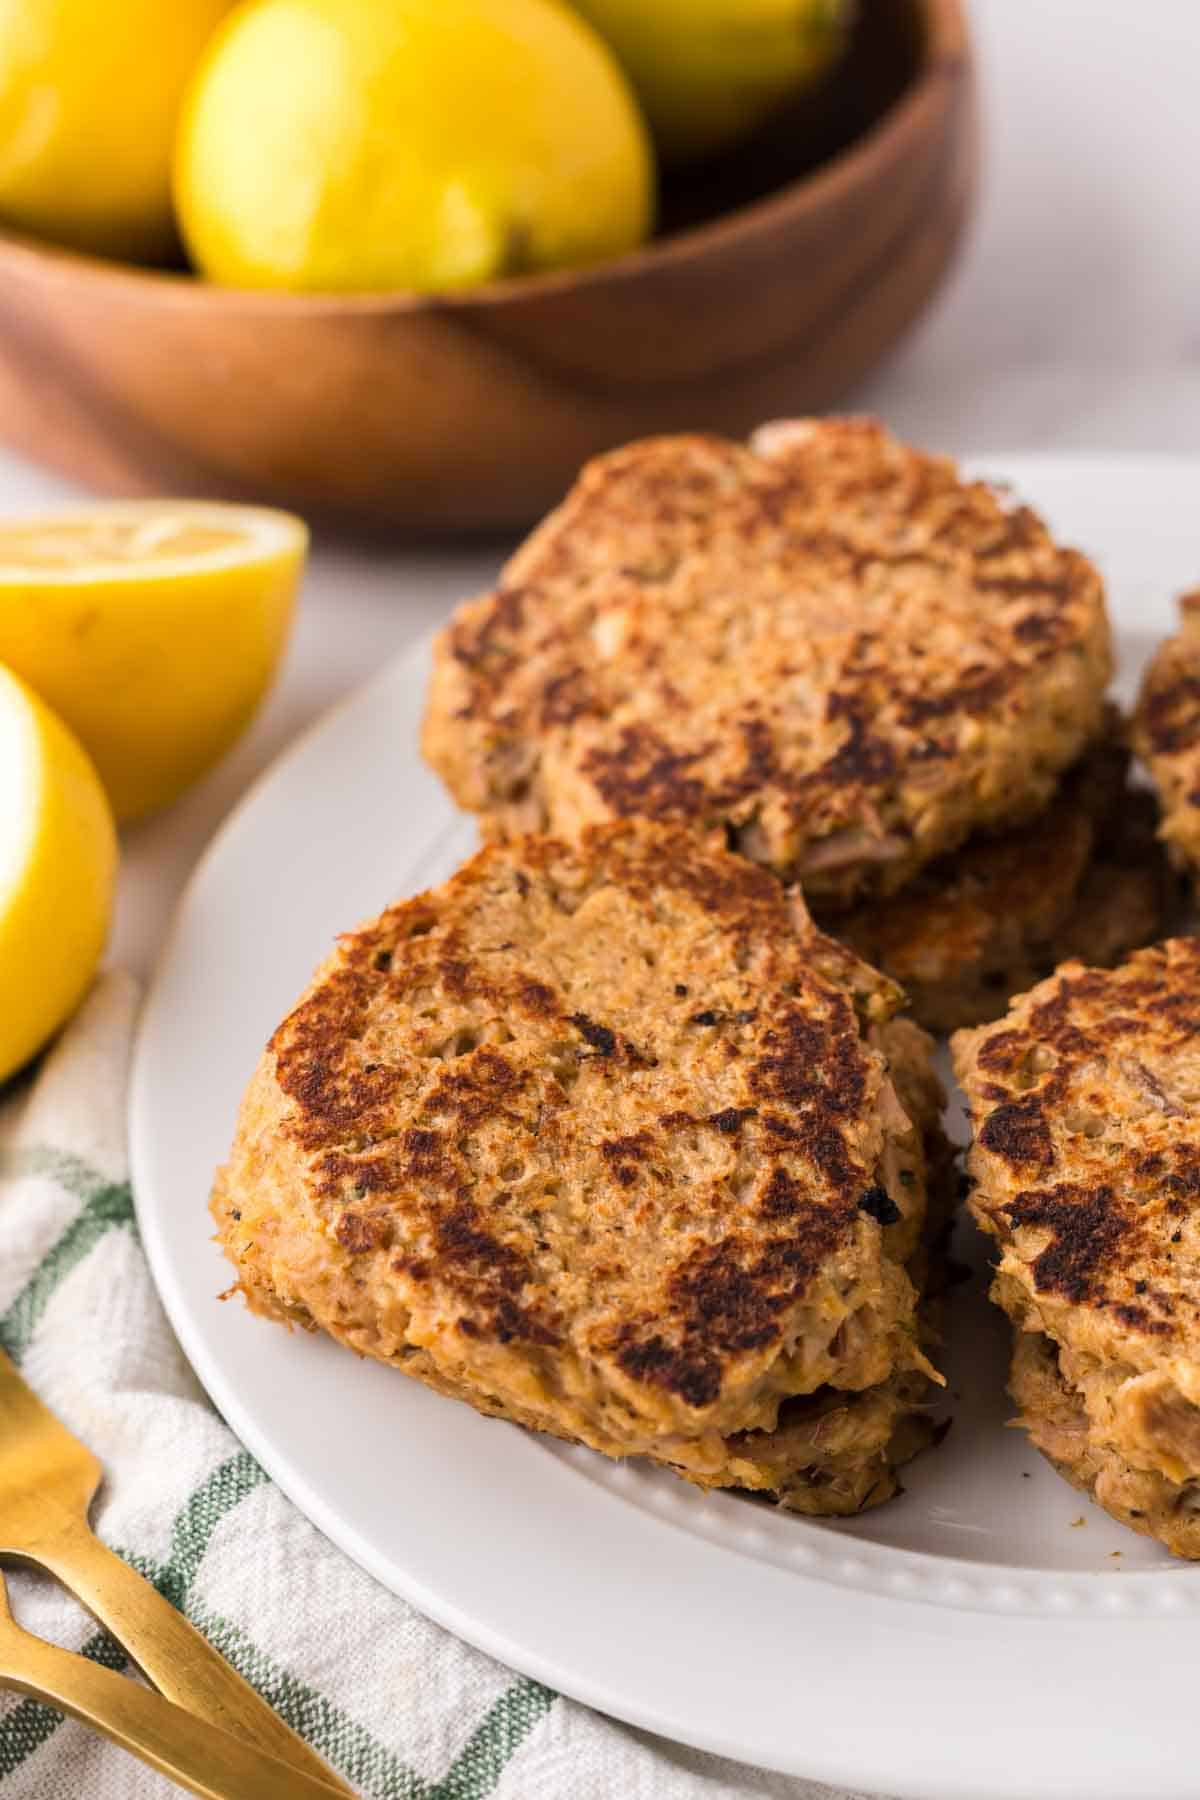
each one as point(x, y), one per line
point(44, 1469)
point(47, 1482)
point(20, 1406)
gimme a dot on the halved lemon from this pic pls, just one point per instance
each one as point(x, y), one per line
point(152, 627)
point(58, 864)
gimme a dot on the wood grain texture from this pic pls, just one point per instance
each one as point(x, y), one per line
point(473, 412)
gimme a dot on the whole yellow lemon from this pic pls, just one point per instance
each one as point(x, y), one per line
point(58, 865)
point(89, 100)
point(361, 144)
point(708, 71)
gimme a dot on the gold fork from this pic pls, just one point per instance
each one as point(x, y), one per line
point(191, 1751)
point(48, 1480)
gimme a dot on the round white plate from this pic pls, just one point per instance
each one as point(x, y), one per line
point(989, 1634)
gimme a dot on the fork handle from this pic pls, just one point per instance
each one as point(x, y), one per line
point(190, 1751)
point(182, 1665)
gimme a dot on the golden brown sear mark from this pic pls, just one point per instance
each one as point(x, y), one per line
point(826, 645)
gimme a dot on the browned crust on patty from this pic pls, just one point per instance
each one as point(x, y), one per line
point(826, 645)
point(1086, 878)
point(1166, 734)
point(835, 1453)
point(1086, 1168)
point(597, 1137)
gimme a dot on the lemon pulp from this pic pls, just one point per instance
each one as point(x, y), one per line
point(152, 628)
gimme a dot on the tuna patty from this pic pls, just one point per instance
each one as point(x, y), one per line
point(1086, 1168)
point(599, 1138)
point(1085, 879)
point(835, 1453)
point(1166, 733)
point(826, 648)
point(1057, 1420)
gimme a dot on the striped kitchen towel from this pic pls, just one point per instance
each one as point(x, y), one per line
point(401, 1707)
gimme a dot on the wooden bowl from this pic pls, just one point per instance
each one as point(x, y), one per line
point(473, 411)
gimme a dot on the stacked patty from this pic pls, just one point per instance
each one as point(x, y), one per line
point(825, 646)
point(607, 1137)
point(609, 1140)
point(835, 1452)
point(832, 653)
point(1166, 733)
point(1087, 879)
point(1086, 1169)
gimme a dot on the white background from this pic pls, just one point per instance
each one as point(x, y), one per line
point(1072, 320)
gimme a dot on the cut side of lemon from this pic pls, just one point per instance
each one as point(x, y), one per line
point(58, 864)
point(152, 628)
point(147, 538)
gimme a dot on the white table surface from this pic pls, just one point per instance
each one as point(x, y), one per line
point(1072, 321)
